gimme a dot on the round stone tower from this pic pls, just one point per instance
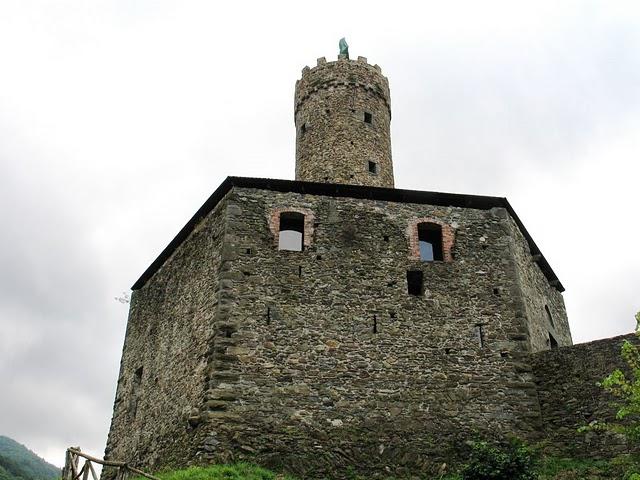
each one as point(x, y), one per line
point(342, 117)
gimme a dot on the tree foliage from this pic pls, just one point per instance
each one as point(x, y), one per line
point(17, 462)
point(626, 389)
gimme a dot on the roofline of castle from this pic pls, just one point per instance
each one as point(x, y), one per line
point(479, 202)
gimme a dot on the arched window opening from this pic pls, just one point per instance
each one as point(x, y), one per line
point(430, 242)
point(291, 231)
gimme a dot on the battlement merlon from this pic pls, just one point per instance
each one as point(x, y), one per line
point(342, 72)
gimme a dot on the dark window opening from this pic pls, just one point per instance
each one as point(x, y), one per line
point(303, 128)
point(546, 307)
point(414, 282)
point(291, 231)
point(496, 291)
point(480, 335)
point(268, 315)
point(504, 354)
point(553, 343)
point(318, 257)
point(373, 167)
point(375, 324)
point(299, 271)
point(368, 118)
point(248, 251)
point(392, 314)
point(430, 242)
point(227, 331)
point(385, 238)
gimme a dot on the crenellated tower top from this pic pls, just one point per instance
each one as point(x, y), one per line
point(342, 113)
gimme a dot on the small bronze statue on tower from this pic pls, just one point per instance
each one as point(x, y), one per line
point(344, 48)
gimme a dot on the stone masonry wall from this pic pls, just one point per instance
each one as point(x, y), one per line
point(329, 363)
point(167, 350)
point(536, 293)
point(569, 397)
point(334, 143)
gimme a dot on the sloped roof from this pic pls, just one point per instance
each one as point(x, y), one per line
point(351, 191)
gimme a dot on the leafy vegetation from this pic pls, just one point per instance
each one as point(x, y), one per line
point(626, 390)
point(489, 462)
point(17, 462)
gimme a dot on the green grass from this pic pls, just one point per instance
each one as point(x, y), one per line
point(237, 471)
point(620, 468)
point(550, 469)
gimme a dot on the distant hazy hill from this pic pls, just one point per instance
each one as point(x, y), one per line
point(17, 462)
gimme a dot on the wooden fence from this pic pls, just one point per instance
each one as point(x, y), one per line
point(73, 471)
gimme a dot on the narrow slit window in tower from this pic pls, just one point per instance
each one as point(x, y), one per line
point(291, 231)
point(480, 334)
point(303, 128)
point(553, 343)
point(546, 307)
point(373, 167)
point(368, 118)
point(414, 282)
point(430, 242)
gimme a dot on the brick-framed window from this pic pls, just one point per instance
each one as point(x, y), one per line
point(423, 228)
point(276, 214)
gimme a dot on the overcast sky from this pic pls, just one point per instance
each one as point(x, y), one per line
point(119, 117)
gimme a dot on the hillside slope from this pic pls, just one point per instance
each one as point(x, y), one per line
point(17, 462)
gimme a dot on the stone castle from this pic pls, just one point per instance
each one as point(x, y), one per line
point(335, 321)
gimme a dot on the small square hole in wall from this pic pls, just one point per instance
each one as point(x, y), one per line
point(385, 238)
point(496, 291)
point(368, 118)
point(373, 167)
point(248, 251)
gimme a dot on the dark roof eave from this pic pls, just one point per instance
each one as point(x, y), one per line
point(351, 191)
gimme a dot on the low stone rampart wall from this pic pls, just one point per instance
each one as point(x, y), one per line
point(570, 397)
